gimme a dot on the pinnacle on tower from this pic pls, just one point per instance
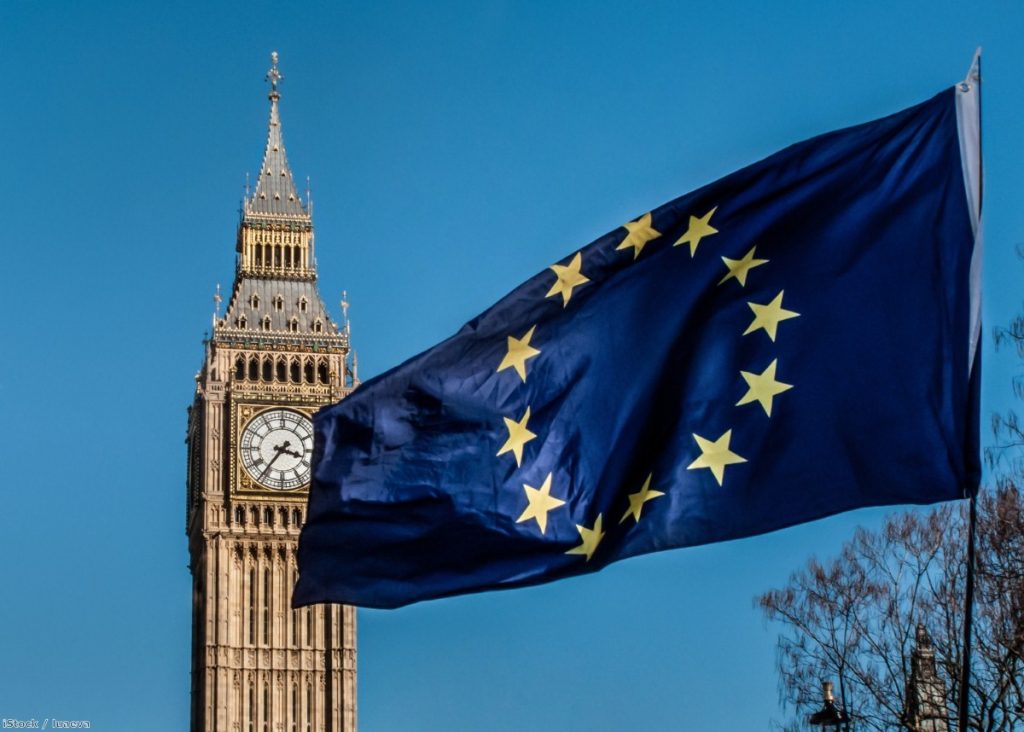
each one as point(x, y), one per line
point(275, 195)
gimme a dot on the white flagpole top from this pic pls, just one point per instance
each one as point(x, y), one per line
point(973, 73)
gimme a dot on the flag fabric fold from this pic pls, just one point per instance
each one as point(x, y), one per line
point(789, 342)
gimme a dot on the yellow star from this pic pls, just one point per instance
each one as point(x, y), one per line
point(519, 350)
point(738, 268)
point(769, 316)
point(539, 502)
point(715, 455)
point(637, 500)
point(763, 387)
point(590, 538)
point(639, 232)
point(567, 277)
point(518, 436)
point(698, 229)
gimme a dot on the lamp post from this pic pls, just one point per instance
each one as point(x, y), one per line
point(830, 715)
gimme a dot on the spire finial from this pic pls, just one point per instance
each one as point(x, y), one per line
point(273, 75)
point(216, 305)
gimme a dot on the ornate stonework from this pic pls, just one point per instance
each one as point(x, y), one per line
point(258, 665)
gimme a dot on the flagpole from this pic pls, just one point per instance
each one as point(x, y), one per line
point(973, 77)
point(965, 668)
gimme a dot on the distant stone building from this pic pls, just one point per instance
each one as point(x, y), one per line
point(926, 692)
point(272, 360)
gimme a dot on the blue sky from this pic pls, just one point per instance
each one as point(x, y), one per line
point(455, 149)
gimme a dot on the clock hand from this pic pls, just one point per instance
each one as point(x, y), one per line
point(277, 453)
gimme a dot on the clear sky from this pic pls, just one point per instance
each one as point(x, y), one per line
point(455, 149)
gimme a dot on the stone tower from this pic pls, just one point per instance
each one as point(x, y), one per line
point(926, 692)
point(272, 360)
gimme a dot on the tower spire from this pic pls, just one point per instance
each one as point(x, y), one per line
point(275, 195)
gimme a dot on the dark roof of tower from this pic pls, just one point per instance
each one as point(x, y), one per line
point(275, 194)
point(256, 298)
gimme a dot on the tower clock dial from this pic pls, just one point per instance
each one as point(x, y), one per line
point(276, 449)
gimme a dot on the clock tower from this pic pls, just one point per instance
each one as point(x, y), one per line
point(274, 358)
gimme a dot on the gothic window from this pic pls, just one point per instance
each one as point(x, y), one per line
point(240, 367)
point(255, 301)
point(277, 255)
point(266, 607)
point(266, 254)
point(282, 370)
point(265, 323)
point(297, 517)
point(254, 368)
point(259, 255)
point(241, 322)
point(284, 517)
point(295, 707)
point(321, 372)
point(252, 709)
point(309, 707)
point(303, 303)
point(268, 369)
point(318, 326)
point(255, 516)
point(278, 302)
point(294, 371)
point(295, 627)
point(287, 256)
point(309, 626)
point(266, 707)
point(268, 516)
point(307, 371)
point(252, 607)
point(293, 325)
point(239, 515)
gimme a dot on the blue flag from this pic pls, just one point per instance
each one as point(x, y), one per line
point(794, 340)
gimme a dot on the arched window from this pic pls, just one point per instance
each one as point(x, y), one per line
point(293, 325)
point(277, 255)
point(268, 369)
point(252, 709)
point(321, 372)
point(296, 517)
point(309, 707)
point(294, 371)
point(295, 627)
point(282, 370)
point(240, 367)
point(252, 607)
point(266, 707)
point(307, 371)
point(259, 255)
point(255, 516)
point(284, 517)
point(278, 302)
point(241, 322)
point(303, 304)
point(254, 368)
point(295, 708)
point(309, 626)
point(318, 326)
point(240, 515)
point(266, 254)
point(266, 607)
point(268, 516)
point(287, 256)
point(265, 323)
point(255, 301)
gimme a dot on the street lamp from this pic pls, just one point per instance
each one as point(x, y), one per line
point(829, 715)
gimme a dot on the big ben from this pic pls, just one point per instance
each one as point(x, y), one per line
point(273, 358)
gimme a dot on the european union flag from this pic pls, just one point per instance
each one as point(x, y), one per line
point(792, 341)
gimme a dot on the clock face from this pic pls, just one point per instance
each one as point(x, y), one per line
point(276, 449)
